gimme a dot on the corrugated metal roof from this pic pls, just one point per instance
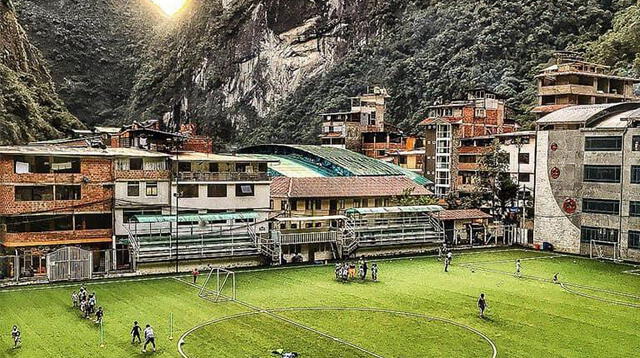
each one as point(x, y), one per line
point(194, 217)
point(396, 209)
point(210, 157)
point(583, 114)
point(293, 168)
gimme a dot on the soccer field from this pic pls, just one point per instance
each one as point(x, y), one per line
point(415, 310)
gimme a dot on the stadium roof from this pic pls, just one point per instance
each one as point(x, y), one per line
point(319, 161)
point(345, 187)
point(194, 217)
point(588, 115)
point(396, 209)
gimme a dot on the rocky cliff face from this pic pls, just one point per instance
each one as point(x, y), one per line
point(30, 109)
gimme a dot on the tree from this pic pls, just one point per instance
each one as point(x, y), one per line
point(494, 164)
point(507, 190)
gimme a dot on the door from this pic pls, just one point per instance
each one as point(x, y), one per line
point(333, 207)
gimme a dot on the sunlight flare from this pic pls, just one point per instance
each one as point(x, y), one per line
point(170, 7)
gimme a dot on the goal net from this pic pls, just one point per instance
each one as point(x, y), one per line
point(219, 285)
point(604, 250)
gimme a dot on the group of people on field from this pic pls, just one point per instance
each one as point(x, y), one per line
point(86, 302)
point(350, 270)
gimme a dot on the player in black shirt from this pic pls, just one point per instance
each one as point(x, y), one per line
point(135, 333)
point(482, 304)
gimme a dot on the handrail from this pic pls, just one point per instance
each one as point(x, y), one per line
point(222, 176)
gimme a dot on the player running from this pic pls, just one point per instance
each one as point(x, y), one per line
point(482, 305)
point(518, 268)
point(135, 333)
point(149, 337)
point(15, 334)
point(99, 315)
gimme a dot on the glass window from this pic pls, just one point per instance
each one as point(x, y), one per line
point(263, 167)
point(184, 166)
point(635, 143)
point(634, 208)
point(135, 164)
point(151, 188)
point(34, 193)
point(317, 204)
point(68, 192)
point(242, 167)
point(524, 177)
point(589, 233)
point(602, 173)
point(133, 188)
point(634, 239)
point(609, 144)
point(214, 168)
point(635, 174)
point(600, 206)
point(217, 190)
point(523, 158)
point(294, 204)
point(244, 190)
point(188, 190)
point(93, 221)
point(39, 223)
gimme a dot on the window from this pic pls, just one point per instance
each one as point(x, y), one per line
point(603, 173)
point(263, 167)
point(635, 174)
point(39, 223)
point(188, 190)
point(68, 192)
point(524, 177)
point(217, 190)
point(24, 165)
point(34, 193)
point(242, 167)
point(283, 205)
point(634, 208)
point(605, 144)
point(184, 166)
point(135, 164)
point(294, 205)
point(308, 204)
point(128, 214)
point(588, 233)
point(402, 159)
point(65, 165)
point(523, 158)
point(244, 190)
point(601, 206)
point(133, 188)
point(635, 143)
point(634, 239)
point(151, 188)
point(379, 203)
point(365, 203)
point(481, 112)
point(356, 203)
point(214, 167)
point(93, 221)
point(317, 204)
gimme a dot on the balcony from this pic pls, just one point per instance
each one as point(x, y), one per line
point(575, 89)
point(222, 176)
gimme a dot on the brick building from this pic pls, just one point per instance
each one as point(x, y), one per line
point(482, 113)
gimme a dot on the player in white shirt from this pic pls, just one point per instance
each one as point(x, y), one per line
point(149, 337)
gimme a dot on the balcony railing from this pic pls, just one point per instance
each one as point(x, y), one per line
point(222, 176)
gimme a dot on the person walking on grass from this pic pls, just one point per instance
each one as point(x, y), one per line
point(15, 334)
point(99, 315)
point(374, 271)
point(135, 333)
point(518, 268)
point(555, 277)
point(149, 337)
point(482, 305)
point(447, 260)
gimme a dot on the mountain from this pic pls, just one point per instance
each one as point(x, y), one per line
point(30, 109)
point(252, 71)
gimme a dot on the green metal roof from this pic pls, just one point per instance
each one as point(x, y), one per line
point(194, 217)
point(396, 209)
point(315, 160)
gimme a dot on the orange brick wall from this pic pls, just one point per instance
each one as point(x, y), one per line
point(56, 238)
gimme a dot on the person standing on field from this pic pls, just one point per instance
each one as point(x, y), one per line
point(195, 274)
point(482, 305)
point(518, 267)
point(135, 333)
point(149, 337)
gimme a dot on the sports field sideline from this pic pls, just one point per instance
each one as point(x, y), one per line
point(415, 310)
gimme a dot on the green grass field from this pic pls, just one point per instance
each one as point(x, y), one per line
point(415, 310)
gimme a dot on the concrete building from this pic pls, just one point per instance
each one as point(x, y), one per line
point(570, 80)
point(588, 180)
point(482, 113)
point(363, 128)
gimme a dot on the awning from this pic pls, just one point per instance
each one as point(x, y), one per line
point(396, 209)
point(313, 218)
point(194, 217)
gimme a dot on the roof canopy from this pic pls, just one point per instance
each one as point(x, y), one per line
point(313, 218)
point(194, 217)
point(396, 209)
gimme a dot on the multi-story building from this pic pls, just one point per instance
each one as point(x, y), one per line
point(483, 113)
point(588, 180)
point(363, 128)
point(54, 196)
point(572, 81)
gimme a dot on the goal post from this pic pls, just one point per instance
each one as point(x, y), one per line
point(219, 285)
point(604, 250)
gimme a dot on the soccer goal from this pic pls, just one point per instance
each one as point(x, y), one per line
point(604, 250)
point(219, 286)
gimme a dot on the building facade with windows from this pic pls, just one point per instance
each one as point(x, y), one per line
point(588, 179)
point(482, 113)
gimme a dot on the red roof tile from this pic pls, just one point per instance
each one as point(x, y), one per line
point(344, 187)
point(461, 214)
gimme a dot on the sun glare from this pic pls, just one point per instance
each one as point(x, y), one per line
point(170, 7)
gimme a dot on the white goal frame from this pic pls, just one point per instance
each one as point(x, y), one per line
point(599, 254)
point(223, 278)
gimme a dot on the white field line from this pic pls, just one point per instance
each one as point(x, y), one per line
point(38, 287)
point(622, 303)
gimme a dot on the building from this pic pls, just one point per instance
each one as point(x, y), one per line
point(572, 81)
point(588, 180)
point(54, 196)
point(363, 128)
point(482, 113)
